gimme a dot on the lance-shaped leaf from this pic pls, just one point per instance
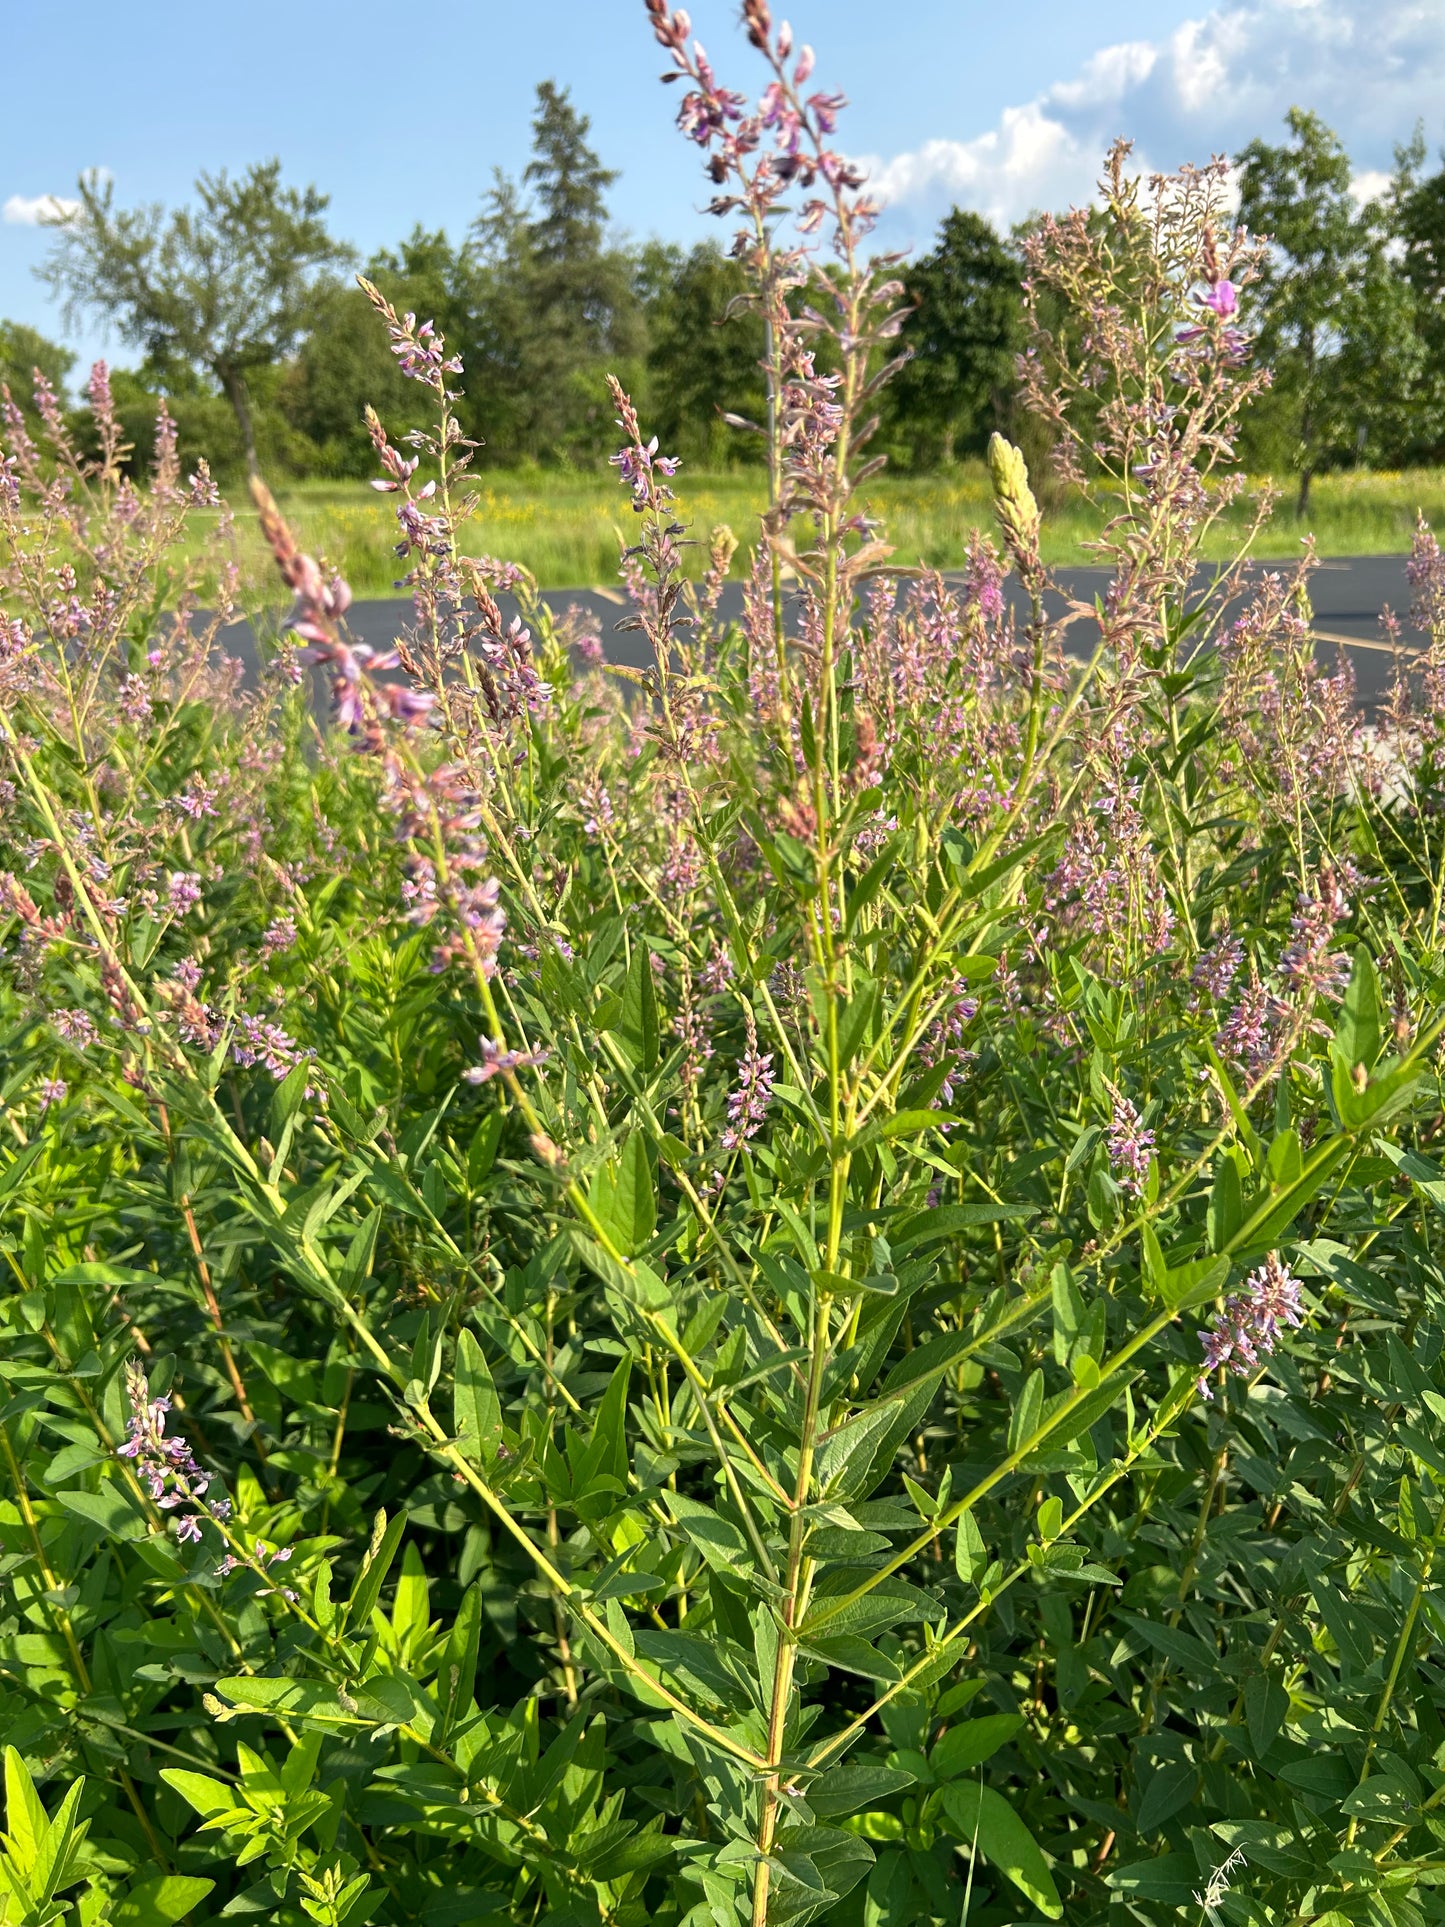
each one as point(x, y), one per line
point(979, 1815)
point(476, 1409)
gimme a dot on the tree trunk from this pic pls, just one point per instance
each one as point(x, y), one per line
point(234, 384)
point(1302, 502)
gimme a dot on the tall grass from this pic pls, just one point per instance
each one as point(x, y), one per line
point(566, 528)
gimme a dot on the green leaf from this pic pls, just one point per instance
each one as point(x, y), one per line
point(161, 1902)
point(17, 1167)
point(625, 1198)
point(605, 1454)
point(1028, 1412)
point(966, 1746)
point(1265, 1705)
point(1155, 1269)
point(289, 1096)
point(199, 1791)
point(869, 884)
point(1358, 1032)
point(25, 1817)
point(1170, 1878)
point(1226, 1204)
point(979, 1814)
point(1167, 1790)
point(293, 1377)
point(969, 1553)
point(720, 1542)
point(637, 1026)
point(637, 1282)
point(848, 1653)
point(410, 1613)
point(860, 1452)
point(482, 1153)
point(1273, 1216)
point(356, 1266)
point(1195, 1283)
point(476, 1409)
point(848, 1789)
point(1286, 1160)
point(386, 1537)
point(109, 1509)
point(927, 1227)
point(902, 1124)
point(457, 1678)
point(892, 1602)
point(855, 1019)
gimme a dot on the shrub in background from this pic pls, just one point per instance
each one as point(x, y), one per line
point(810, 1295)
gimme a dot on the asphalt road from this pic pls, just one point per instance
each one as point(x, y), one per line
point(1348, 594)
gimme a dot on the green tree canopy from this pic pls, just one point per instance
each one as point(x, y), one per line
point(1417, 206)
point(705, 353)
point(23, 350)
point(228, 288)
point(1333, 318)
point(345, 362)
point(964, 332)
point(557, 308)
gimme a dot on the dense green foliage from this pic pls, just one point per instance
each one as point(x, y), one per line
point(813, 1296)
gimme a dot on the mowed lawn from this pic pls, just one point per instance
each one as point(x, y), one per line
point(567, 527)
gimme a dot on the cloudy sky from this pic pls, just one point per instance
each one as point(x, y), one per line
point(1003, 108)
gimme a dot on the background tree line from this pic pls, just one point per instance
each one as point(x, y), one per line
point(246, 317)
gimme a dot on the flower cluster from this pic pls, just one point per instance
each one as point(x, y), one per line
point(438, 816)
point(165, 1465)
point(1131, 1146)
point(1250, 1324)
point(497, 1061)
point(750, 1097)
point(944, 1043)
point(1310, 967)
point(259, 1042)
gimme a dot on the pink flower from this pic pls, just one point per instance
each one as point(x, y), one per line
point(1222, 298)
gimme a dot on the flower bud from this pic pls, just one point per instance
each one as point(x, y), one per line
point(546, 1151)
point(1013, 499)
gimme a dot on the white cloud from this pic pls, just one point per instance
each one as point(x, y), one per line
point(29, 210)
point(1370, 185)
point(1370, 68)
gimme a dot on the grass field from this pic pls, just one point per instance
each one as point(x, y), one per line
point(566, 527)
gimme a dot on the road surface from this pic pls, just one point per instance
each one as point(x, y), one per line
point(1348, 594)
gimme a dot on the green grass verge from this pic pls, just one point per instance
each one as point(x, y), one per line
point(566, 528)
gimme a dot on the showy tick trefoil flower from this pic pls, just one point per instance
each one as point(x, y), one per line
point(1248, 1328)
point(752, 1094)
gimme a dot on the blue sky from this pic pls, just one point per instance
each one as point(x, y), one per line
point(1004, 107)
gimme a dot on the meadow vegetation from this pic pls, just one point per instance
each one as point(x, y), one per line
point(804, 1285)
point(565, 527)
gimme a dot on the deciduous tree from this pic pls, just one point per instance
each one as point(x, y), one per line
point(227, 287)
point(1330, 310)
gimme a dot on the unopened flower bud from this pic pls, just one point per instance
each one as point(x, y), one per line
point(1013, 499)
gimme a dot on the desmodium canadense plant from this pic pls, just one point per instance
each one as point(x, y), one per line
point(794, 1285)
